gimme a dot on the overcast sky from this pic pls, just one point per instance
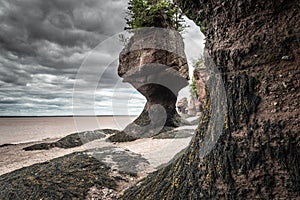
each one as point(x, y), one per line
point(43, 46)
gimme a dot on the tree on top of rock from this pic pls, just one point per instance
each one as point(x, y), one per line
point(154, 13)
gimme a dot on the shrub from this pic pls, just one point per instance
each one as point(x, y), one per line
point(154, 13)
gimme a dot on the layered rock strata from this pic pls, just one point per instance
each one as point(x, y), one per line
point(155, 64)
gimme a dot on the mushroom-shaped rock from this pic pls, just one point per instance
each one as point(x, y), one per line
point(155, 64)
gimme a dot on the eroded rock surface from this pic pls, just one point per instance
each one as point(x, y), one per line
point(201, 76)
point(182, 106)
point(155, 64)
point(255, 46)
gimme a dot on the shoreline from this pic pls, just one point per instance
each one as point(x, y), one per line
point(121, 163)
point(23, 130)
point(30, 141)
point(156, 151)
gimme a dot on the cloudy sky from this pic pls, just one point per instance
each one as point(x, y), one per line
point(47, 47)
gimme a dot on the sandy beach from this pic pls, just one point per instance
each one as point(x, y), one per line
point(156, 151)
point(85, 154)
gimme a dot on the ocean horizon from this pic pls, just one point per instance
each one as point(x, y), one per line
point(24, 129)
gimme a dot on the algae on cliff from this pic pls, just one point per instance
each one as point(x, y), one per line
point(257, 153)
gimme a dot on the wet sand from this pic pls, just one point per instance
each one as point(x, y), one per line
point(13, 157)
point(156, 151)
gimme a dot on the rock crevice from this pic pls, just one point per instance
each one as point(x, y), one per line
point(255, 46)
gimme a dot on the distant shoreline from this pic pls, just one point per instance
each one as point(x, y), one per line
point(17, 129)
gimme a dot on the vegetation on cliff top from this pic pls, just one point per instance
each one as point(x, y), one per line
point(154, 13)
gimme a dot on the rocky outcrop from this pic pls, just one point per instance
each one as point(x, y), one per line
point(74, 176)
point(255, 46)
point(154, 63)
point(182, 106)
point(192, 107)
point(195, 106)
point(201, 76)
point(73, 140)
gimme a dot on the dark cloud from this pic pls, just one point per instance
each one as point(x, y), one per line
point(49, 33)
point(42, 47)
point(64, 22)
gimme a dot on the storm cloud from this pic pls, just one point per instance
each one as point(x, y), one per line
point(43, 45)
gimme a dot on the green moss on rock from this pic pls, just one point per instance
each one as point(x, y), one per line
point(68, 177)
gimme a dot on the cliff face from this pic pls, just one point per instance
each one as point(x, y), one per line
point(255, 46)
point(201, 76)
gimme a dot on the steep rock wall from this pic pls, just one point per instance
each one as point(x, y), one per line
point(255, 45)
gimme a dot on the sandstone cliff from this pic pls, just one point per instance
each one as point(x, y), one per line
point(155, 64)
point(255, 45)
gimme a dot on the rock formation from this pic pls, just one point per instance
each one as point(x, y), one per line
point(255, 45)
point(154, 63)
point(182, 106)
point(201, 76)
point(192, 107)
